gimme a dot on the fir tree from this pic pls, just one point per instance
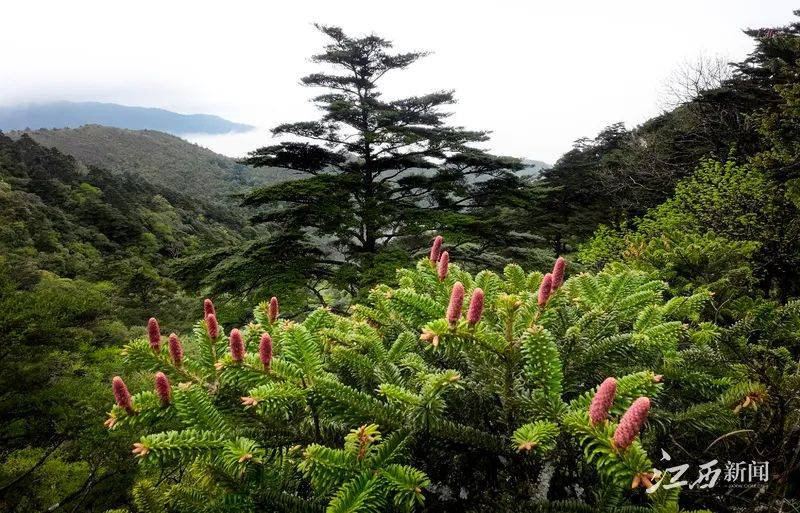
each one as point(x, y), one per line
point(367, 412)
point(375, 173)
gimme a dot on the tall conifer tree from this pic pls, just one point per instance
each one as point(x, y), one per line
point(375, 173)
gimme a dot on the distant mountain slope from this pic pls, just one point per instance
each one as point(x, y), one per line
point(533, 168)
point(76, 220)
point(161, 159)
point(75, 114)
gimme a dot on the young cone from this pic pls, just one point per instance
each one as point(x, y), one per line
point(273, 309)
point(237, 345)
point(208, 308)
point(175, 350)
point(212, 327)
point(558, 273)
point(545, 289)
point(475, 307)
point(121, 394)
point(436, 249)
point(154, 334)
point(456, 302)
point(163, 388)
point(602, 401)
point(265, 350)
point(631, 423)
point(444, 263)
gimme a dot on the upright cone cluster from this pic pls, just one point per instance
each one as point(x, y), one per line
point(442, 266)
point(456, 303)
point(121, 394)
point(602, 401)
point(163, 389)
point(475, 309)
point(545, 289)
point(265, 350)
point(436, 249)
point(558, 273)
point(237, 345)
point(212, 327)
point(175, 350)
point(273, 310)
point(208, 308)
point(631, 423)
point(154, 334)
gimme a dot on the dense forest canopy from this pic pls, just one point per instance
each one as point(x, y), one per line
point(345, 364)
point(85, 256)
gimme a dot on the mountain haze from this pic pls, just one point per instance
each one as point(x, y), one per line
point(65, 114)
point(533, 168)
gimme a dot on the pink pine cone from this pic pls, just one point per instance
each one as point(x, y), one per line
point(163, 388)
point(211, 326)
point(273, 309)
point(602, 401)
point(456, 302)
point(265, 350)
point(175, 350)
point(436, 249)
point(121, 394)
point(237, 345)
point(154, 334)
point(475, 307)
point(545, 289)
point(631, 423)
point(558, 273)
point(444, 263)
point(208, 308)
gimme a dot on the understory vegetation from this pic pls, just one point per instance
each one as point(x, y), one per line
point(571, 337)
point(476, 389)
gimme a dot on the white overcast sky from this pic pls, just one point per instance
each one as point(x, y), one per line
point(538, 74)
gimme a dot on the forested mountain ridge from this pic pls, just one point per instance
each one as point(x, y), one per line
point(66, 114)
point(742, 116)
point(162, 159)
point(86, 222)
point(721, 167)
point(84, 255)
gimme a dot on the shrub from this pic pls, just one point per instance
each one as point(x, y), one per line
point(414, 401)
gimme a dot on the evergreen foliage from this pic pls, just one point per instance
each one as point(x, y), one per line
point(376, 173)
point(83, 256)
point(727, 229)
point(435, 408)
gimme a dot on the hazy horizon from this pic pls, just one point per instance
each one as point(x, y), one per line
point(244, 63)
